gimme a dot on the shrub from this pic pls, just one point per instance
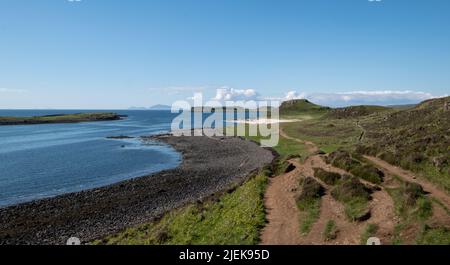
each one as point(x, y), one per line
point(329, 178)
point(350, 188)
point(342, 159)
point(424, 208)
point(389, 157)
point(355, 197)
point(310, 189)
point(369, 173)
point(412, 191)
point(281, 166)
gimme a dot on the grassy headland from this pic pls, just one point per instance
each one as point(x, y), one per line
point(415, 138)
point(344, 134)
point(60, 118)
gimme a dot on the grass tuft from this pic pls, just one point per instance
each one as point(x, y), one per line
point(369, 231)
point(331, 231)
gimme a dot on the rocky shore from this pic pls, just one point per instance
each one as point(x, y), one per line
point(210, 165)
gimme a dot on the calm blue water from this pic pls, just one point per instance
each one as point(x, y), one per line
point(38, 161)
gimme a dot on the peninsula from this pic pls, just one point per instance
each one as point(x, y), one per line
point(60, 118)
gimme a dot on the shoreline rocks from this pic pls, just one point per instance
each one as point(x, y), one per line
point(210, 165)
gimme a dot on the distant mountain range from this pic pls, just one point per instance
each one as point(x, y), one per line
point(155, 107)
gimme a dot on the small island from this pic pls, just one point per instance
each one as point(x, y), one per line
point(61, 118)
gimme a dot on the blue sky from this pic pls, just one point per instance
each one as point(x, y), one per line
point(116, 54)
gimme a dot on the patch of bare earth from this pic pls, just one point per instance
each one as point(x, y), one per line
point(406, 175)
point(284, 216)
point(330, 209)
point(382, 212)
point(381, 207)
point(440, 216)
point(282, 212)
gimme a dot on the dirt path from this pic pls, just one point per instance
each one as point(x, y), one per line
point(434, 191)
point(282, 212)
point(312, 148)
point(284, 217)
point(382, 212)
point(330, 209)
point(363, 131)
point(381, 207)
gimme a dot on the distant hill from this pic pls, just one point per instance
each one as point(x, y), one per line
point(402, 107)
point(224, 109)
point(415, 139)
point(355, 111)
point(155, 107)
point(137, 108)
point(301, 106)
point(160, 107)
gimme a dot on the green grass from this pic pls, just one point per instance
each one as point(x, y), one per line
point(63, 118)
point(356, 111)
point(434, 236)
point(355, 208)
point(330, 231)
point(236, 218)
point(354, 196)
point(415, 139)
point(369, 231)
point(420, 210)
point(285, 147)
point(310, 211)
point(329, 148)
point(279, 166)
point(328, 135)
point(424, 208)
point(412, 207)
point(441, 204)
point(356, 165)
point(434, 175)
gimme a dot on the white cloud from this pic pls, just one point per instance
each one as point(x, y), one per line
point(374, 97)
point(332, 99)
point(231, 94)
point(11, 90)
point(294, 95)
point(197, 96)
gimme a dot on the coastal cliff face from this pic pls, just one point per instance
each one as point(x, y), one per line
point(210, 165)
point(60, 118)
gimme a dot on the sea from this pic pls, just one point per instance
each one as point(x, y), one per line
point(46, 160)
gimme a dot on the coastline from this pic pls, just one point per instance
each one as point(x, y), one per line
point(61, 118)
point(210, 165)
